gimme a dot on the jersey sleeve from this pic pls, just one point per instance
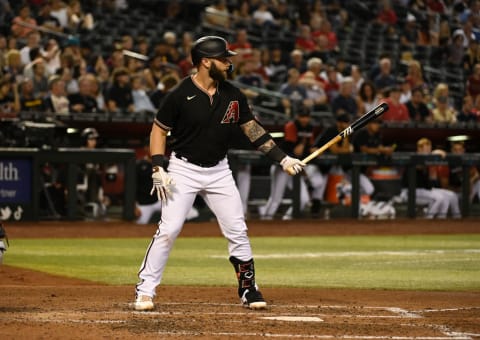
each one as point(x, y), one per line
point(245, 112)
point(166, 112)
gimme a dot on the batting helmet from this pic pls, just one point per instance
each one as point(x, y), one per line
point(90, 133)
point(210, 46)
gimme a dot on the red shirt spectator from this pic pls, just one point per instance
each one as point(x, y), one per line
point(397, 111)
point(18, 30)
point(473, 82)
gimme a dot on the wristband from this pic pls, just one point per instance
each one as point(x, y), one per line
point(262, 140)
point(161, 161)
point(276, 154)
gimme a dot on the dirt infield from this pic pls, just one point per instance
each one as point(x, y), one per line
point(35, 305)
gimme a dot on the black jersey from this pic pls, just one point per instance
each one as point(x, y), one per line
point(201, 125)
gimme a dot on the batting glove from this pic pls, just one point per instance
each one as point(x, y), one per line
point(292, 165)
point(162, 183)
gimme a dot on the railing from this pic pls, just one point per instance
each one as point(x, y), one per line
point(356, 161)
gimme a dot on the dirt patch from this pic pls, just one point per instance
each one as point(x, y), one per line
point(37, 305)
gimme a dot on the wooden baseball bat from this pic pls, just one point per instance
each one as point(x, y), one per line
point(356, 125)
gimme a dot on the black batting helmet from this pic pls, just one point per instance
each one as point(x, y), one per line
point(90, 133)
point(210, 46)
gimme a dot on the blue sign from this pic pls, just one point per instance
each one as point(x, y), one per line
point(15, 181)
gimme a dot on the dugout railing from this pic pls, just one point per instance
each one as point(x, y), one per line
point(356, 161)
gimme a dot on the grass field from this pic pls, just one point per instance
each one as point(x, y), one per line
point(436, 262)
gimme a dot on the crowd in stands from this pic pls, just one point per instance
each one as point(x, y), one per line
point(339, 57)
point(48, 62)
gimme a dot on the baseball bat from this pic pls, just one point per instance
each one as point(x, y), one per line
point(356, 125)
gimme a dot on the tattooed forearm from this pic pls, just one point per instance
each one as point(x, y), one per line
point(253, 130)
point(258, 136)
point(266, 147)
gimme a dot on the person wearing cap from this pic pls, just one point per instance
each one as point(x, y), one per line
point(397, 111)
point(297, 142)
point(201, 115)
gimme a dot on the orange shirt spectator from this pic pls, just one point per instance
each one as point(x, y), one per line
point(24, 16)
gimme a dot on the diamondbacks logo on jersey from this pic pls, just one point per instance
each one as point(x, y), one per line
point(232, 114)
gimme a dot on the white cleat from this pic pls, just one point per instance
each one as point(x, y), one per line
point(144, 303)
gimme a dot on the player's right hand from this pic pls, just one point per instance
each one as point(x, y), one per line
point(162, 183)
point(292, 165)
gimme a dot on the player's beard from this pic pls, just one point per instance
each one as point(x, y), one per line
point(216, 74)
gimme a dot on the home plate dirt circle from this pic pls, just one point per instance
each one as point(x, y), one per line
point(36, 305)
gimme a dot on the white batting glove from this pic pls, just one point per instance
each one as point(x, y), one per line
point(292, 165)
point(162, 183)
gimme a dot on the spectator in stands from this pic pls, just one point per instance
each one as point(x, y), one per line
point(165, 85)
point(119, 94)
point(405, 91)
point(51, 53)
point(297, 142)
point(427, 187)
point(415, 76)
point(471, 57)
point(247, 75)
point(325, 30)
point(84, 100)
point(304, 41)
point(241, 15)
point(409, 35)
point(357, 77)
point(333, 81)
point(387, 17)
point(473, 82)
point(33, 39)
point(262, 15)
point(456, 50)
point(19, 30)
point(295, 94)
point(59, 10)
point(345, 101)
point(46, 20)
point(40, 80)
point(468, 113)
point(317, 99)
point(367, 97)
point(241, 45)
point(217, 14)
point(141, 100)
point(282, 14)
point(9, 98)
point(6, 16)
point(67, 76)
point(297, 61)
point(57, 101)
point(315, 68)
point(385, 78)
point(397, 112)
point(13, 66)
point(443, 110)
point(78, 19)
point(275, 64)
point(97, 90)
point(417, 109)
point(3, 52)
point(155, 71)
point(29, 101)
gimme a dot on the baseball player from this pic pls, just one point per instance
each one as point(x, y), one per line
point(200, 113)
point(297, 142)
point(439, 200)
point(3, 242)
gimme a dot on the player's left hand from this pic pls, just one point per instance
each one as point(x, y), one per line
point(289, 163)
point(162, 183)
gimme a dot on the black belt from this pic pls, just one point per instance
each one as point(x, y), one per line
point(203, 164)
